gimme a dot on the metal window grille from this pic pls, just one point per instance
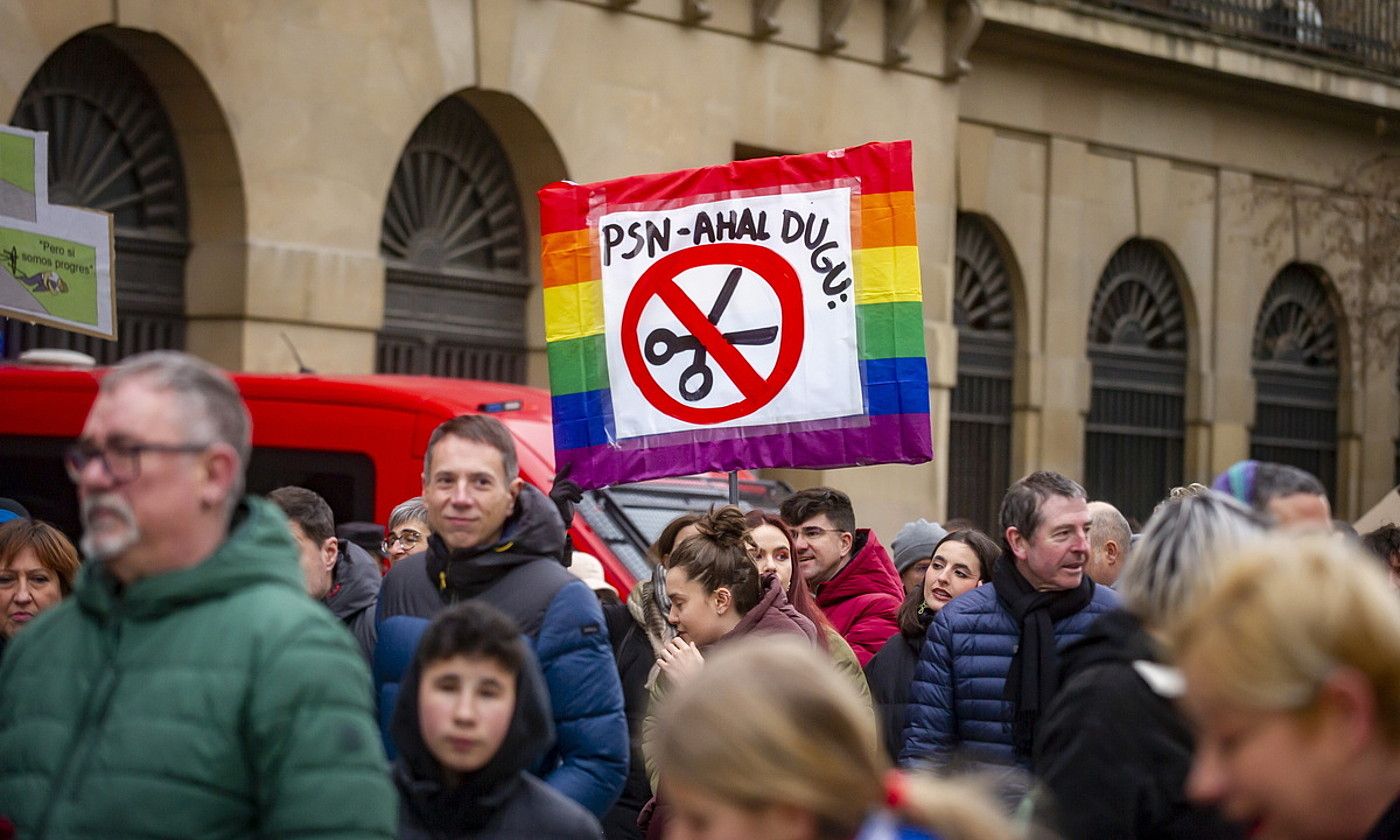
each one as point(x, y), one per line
point(1295, 377)
point(979, 428)
point(111, 147)
point(454, 240)
point(1134, 448)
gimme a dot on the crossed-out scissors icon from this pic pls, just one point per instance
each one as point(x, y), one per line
point(697, 379)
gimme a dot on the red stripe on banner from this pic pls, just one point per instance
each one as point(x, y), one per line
point(881, 168)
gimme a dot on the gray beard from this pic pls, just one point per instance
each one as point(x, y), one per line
point(102, 547)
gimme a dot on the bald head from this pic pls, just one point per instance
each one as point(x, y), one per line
point(1109, 541)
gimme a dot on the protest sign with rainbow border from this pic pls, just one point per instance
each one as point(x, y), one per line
point(763, 313)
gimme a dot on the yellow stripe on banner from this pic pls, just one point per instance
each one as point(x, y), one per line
point(573, 311)
point(887, 275)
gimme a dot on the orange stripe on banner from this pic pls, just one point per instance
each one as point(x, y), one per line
point(887, 220)
point(566, 258)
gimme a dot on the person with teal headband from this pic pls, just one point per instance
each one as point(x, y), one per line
point(1294, 498)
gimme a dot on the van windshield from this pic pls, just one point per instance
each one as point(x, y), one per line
point(630, 517)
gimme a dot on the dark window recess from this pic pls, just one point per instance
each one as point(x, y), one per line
point(1134, 446)
point(453, 239)
point(1295, 377)
point(979, 428)
point(344, 479)
point(32, 473)
point(111, 148)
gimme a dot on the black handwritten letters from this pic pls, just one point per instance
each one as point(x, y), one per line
point(655, 237)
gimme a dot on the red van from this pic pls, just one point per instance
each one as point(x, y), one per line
point(358, 441)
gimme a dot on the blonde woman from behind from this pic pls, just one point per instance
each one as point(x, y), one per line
point(1292, 667)
point(773, 743)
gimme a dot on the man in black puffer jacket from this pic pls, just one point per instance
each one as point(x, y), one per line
point(498, 540)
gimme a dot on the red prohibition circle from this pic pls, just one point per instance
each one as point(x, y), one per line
point(659, 280)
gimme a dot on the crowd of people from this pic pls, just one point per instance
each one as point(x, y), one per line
point(222, 665)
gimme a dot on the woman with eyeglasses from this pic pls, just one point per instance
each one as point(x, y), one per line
point(37, 568)
point(408, 530)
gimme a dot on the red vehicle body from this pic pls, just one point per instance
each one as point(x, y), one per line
point(358, 441)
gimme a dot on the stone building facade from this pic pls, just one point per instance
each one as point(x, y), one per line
point(1128, 212)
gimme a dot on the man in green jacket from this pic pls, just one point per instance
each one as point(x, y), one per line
point(189, 687)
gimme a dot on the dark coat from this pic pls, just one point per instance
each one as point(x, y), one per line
point(890, 673)
point(521, 576)
point(957, 702)
point(354, 592)
point(501, 800)
point(635, 658)
point(1112, 751)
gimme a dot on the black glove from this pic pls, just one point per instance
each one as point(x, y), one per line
point(565, 493)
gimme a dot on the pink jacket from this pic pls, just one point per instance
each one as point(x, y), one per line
point(862, 599)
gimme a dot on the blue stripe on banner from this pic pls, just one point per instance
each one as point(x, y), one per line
point(892, 386)
point(895, 386)
point(582, 419)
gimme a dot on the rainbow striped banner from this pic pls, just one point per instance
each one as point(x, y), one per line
point(814, 359)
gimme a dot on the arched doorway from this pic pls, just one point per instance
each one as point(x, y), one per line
point(111, 147)
point(1134, 447)
point(453, 239)
point(1295, 376)
point(979, 423)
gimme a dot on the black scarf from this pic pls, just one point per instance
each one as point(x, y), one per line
point(1034, 675)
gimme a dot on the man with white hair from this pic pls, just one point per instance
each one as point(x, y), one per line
point(189, 687)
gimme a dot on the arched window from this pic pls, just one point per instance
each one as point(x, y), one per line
point(979, 428)
point(1295, 376)
point(111, 148)
point(454, 241)
point(1135, 435)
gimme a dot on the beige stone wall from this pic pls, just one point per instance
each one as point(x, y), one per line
point(291, 117)
point(1069, 157)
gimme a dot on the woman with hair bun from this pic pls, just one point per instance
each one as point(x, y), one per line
point(717, 595)
point(1292, 675)
point(774, 744)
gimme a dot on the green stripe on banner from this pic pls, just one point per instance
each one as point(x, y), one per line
point(578, 365)
point(891, 330)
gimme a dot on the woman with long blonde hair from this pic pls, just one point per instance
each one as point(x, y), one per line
point(773, 743)
point(1292, 669)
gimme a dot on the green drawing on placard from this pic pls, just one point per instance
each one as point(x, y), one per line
point(61, 275)
point(17, 161)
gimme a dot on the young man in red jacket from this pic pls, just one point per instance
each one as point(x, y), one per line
point(849, 572)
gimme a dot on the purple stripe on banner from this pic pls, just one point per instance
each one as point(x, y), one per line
point(889, 438)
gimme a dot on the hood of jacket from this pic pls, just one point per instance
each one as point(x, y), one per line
point(533, 531)
point(773, 614)
point(472, 802)
point(354, 583)
point(1116, 637)
point(869, 571)
point(258, 550)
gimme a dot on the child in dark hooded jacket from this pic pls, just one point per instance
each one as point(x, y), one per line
point(472, 716)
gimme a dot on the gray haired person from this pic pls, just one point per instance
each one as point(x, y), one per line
point(1114, 752)
point(408, 530)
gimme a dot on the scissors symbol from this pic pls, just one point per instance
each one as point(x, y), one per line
point(697, 379)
